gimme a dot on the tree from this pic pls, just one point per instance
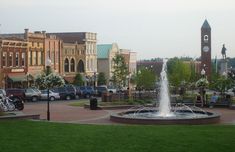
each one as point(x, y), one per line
point(145, 79)
point(78, 80)
point(120, 71)
point(223, 83)
point(178, 72)
point(101, 78)
point(47, 79)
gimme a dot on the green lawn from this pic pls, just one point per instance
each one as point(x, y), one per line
point(30, 136)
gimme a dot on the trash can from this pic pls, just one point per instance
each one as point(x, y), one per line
point(93, 104)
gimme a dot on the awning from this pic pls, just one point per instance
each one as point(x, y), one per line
point(17, 78)
point(69, 79)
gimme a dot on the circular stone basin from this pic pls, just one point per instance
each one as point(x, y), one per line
point(179, 117)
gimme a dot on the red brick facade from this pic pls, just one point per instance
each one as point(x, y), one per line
point(13, 55)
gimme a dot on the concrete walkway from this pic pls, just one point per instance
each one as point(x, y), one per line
point(61, 111)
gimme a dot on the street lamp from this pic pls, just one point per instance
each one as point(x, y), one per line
point(202, 91)
point(94, 79)
point(27, 76)
point(48, 65)
point(129, 85)
point(203, 72)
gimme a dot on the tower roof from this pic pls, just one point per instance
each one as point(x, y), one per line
point(103, 50)
point(206, 25)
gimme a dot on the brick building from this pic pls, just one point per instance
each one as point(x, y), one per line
point(39, 47)
point(53, 49)
point(13, 65)
point(85, 55)
point(130, 59)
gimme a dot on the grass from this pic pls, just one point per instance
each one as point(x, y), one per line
point(80, 103)
point(30, 136)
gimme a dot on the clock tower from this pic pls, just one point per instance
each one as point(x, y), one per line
point(206, 48)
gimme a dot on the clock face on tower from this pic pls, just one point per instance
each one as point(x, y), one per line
point(205, 49)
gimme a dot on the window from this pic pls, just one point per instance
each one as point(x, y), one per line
point(10, 60)
point(23, 59)
point(17, 59)
point(42, 57)
point(66, 65)
point(52, 57)
point(56, 57)
point(80, 67)
point(39, 58)
point(48, 54)
point(72, 65)
point(30, 57)
point(4, 59)
point(34, 58)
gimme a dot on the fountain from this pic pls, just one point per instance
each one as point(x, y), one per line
point(165, 105)
point(164, 113)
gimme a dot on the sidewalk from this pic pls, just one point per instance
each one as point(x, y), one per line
point(62, 112)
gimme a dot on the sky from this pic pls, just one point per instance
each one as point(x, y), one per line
point(152, 28)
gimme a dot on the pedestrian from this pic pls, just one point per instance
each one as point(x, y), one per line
point(214, 99)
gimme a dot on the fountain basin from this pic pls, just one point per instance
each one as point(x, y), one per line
point(200, 118)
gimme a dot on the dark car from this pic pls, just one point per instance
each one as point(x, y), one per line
point(87, 91)
point(33, 94)
point(16, 93)
point(100, 90)
point(66, 92)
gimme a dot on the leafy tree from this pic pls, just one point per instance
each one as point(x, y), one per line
point(101, 78)
point(120, 71)
point(78, 80)
point(222, 84)
point(48, 79)
point(178, 72)
point(202, 83)
point(145, 79)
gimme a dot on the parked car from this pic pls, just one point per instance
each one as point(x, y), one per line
point(52, 95)
point(16, 94)
point(65, 92)
point(87, 91)
point(100, 90)
point(32, 94)
point(112, 89)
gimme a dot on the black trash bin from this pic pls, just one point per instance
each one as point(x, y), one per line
point(93, 104)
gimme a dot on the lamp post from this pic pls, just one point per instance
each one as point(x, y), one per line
point(27, 76)
point(48, 65)
point(94, 79)
point(202, 92)
point(203, 72)
point(129, 85)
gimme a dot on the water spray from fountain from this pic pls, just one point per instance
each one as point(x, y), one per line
point(164, 104)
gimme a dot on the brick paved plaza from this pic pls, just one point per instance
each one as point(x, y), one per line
point(62, 112)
